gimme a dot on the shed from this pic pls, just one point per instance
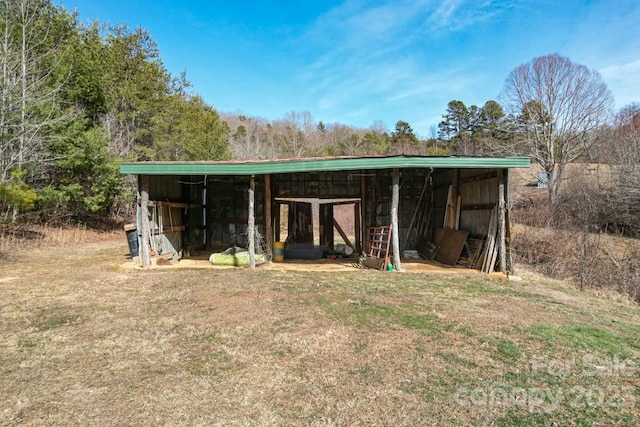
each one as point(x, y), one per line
point(445, 207)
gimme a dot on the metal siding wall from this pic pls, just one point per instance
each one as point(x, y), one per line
point(340, 184)
point(227, 209)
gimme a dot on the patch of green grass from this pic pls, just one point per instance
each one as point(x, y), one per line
point(634, 329)
point(213, 362)
point(198, 370)
point(55, 321)
point(417, 321)
point(466, 330)
point(456, 361)
point(584, 337)
point(524, 419)
point(28, 343)
point(509, 350)
point(503, 349)
point(364, 374)
point(581, 416)
point(414, 285)
point(371, 314)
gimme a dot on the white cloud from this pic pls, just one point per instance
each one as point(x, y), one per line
point(442, 16)
point(623, 80)
point(456, 15)
point(621, 71)
point(356, 24)
point(389, 59)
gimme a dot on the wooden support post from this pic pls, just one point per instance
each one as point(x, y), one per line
point(251, 226)
point(205, 215)
point(395, 201)
point(457, 216)
point(357, 227)
point(502, 229)
point(362, 237)
point(327, 237)
point(268, 220)
point(277, 220)
point(145, 231)
point(507, 220)
point(315, 221)
point(291, 220)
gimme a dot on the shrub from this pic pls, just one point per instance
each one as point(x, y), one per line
point(585, 237)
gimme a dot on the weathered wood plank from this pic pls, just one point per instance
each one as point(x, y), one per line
point(342, 234)
point(502, 226)
point(451, 246)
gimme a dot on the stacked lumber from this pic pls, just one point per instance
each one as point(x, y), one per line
point(426, 249)
point(490, 252)
point(474, 251)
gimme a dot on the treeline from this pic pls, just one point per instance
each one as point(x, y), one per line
point(297, 135)
point(77, 99)
point(468, 131)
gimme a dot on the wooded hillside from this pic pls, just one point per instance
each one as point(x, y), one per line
point(76, 99)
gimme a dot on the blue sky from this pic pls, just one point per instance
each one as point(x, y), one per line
point(356, 62)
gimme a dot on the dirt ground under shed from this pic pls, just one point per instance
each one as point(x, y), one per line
point(320, 265)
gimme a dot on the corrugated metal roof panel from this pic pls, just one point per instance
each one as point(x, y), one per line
point(316, 164)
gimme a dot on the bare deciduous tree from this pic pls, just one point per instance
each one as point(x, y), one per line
point(560, 105)
point(626, 152)
point(250, 137)
point(296, 135)
point(623, 153)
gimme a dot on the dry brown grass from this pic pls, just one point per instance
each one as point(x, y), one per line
point(85, 341)
point(20, 238)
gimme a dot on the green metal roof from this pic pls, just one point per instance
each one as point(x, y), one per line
point(318, 164)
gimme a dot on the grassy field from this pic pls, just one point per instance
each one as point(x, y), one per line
point(85, 341)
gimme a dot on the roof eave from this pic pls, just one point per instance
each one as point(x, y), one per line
point(319, 165)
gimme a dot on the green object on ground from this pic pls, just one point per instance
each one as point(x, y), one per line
point(237, 259)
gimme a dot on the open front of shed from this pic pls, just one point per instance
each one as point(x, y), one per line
point(380, 210)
